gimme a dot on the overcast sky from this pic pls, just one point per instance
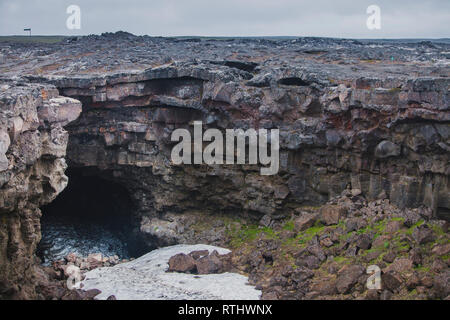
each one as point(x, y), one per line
point(328, 18)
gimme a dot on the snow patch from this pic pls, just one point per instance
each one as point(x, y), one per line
point(146, 278)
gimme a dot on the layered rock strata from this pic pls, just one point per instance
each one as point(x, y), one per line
point(382, 138)
point(32, 148)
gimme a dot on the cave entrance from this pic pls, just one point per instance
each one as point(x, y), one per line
point(92, 215)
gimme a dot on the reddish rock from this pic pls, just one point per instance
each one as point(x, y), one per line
point(209, 264)
point(427, 281)
point(438, 265)
point(364, 242)
point(381, 240)
point(416, 256)
point(400, 265)
point(389, 257)
point(413, 281)
point(181, 263)
point(325, 287)
point(330, 214)
point(372, 295)
point(304, 221)
point(441, 285)
point(393, 226)
point(391, 281)
point(348, 277)
point(441, 249)
point(95, 260)
point(423, 234)
point(310, 262)
point(326, 242)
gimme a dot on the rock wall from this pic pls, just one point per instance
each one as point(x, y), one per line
point(384, 138)
point(32, 149)
point(371, 118)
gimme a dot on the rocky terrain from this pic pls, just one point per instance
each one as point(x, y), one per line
point(32, 164)
point(324, 253)
point(359, 120)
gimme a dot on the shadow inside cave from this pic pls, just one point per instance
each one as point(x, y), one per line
point(92, 215)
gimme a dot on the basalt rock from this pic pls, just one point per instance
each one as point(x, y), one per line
point(181, 263)
point(349, 119)
point(32, 149)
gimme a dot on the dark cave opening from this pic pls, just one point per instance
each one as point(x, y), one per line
point(92, 215)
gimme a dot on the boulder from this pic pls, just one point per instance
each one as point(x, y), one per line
point(413, 281)
point(441, 285)
point(347, 277)
point(400, 265)
point(389, 257)
point(310, 262)
point(325, 287)
point(364, 242)
point(304, 221)
point(95, 260)
point(391, 281)
point(416, 256)
point(330, 214)
point(393, 226)
point(423, 234)
point(441, 249)
point(372, 295)
point(181, 263)
point(209, 264)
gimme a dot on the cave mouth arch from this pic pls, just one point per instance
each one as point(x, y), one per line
point(93, 214)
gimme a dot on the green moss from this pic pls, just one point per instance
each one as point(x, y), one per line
point(248, 233)
point(344, 237)
point(437, 230)
point(421, 268)
point(342, 260)
point(380, 226)
point(316, 229)
point(404, 247)
point(290, 242)
point(413, 292)
point(307, 235)
point(364, 230)
point(411, 229)
point(289, 225)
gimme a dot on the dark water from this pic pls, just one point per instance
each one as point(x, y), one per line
point(62, 235)
point(91, 215)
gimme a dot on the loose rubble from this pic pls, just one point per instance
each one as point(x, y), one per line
point(313, 256)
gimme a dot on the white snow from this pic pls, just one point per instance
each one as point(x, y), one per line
point(146, 278)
